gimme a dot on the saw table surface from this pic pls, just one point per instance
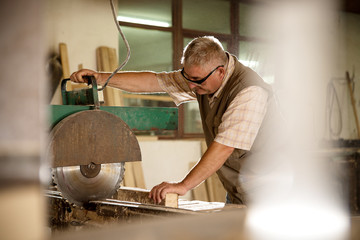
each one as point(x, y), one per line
point(125, 207)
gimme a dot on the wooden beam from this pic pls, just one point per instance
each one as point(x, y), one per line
point(200, 192)
point(64, 60)
point(142, 196)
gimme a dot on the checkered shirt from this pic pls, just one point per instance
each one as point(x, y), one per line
point(241, 120)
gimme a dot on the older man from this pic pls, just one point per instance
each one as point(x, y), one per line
point(237, 111)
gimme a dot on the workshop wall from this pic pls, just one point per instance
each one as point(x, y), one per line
point(337, 118)
point(168, 160)
point(347, 58)
point(83, 25)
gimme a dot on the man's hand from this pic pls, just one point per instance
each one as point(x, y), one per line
point(78, 76)
point(159, 192)
point(211, 161)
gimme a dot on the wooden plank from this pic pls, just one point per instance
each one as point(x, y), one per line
point(215, 189)
point(134, 175)
point(117, 93)
point(113, 61)
point(203, 147)
point(99, 66)
point(171, 200)
point(138, 174)
point(199, 192)
point(99, 69)
point(104, 58)
point(63, 53)
point(139, 195)
point(103, 54)
point(133, 194)
point(74, 86)
point(64, 60)
point(210, 189)
point(129, 179)
point(109, 96)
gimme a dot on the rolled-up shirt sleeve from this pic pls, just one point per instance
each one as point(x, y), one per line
point(177, 88)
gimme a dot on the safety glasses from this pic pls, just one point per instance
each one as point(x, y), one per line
point(201, 80)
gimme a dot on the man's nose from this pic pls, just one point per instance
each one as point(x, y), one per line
point(192, 85)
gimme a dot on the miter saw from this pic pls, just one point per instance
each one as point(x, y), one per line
point(89, 148)
point(89, 143)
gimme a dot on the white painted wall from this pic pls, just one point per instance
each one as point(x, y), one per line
point(83, 25)
point(168, 160)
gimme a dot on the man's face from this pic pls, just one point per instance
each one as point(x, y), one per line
point(204, 80)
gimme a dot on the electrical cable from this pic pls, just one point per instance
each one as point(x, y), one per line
point(126, 44)
point(331, 99)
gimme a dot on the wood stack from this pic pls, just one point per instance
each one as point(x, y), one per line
point(134, 175)
point(64, 61)
point(107, 61)
point(64, 58)
point(211, 190)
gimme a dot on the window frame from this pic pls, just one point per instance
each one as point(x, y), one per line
point(178, 35)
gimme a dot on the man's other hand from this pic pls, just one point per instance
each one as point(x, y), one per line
point(159, 192)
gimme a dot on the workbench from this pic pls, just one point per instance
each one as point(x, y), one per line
point(129, 205)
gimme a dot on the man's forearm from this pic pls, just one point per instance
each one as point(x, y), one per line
point(212, 160)
point(132, 81)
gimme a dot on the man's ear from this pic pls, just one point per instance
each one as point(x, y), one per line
point(222, 71)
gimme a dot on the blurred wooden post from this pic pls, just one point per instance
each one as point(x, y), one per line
point(107, 62)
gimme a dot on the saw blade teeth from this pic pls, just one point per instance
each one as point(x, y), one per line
point(78, 189)
point(121, 176)
point(54, 181)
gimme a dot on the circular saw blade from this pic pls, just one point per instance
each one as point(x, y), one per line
point(78, 189)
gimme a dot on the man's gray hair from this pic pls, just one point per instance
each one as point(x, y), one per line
point(204, 50)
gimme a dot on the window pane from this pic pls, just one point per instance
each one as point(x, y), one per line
point(252, 21)
point(259, 57)
point(207, 15)
point(192, 121)
point(140, 11)
point(150, 49)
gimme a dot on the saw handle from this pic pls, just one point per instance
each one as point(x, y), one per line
point(86, 96)
point(91, 80)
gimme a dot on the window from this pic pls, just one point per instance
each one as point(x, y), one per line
point(158, 30)
point(254, 50)
point(258, 56)
point(150, 50)
point(142, 23)
point(207, 15)
point(154, 12)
